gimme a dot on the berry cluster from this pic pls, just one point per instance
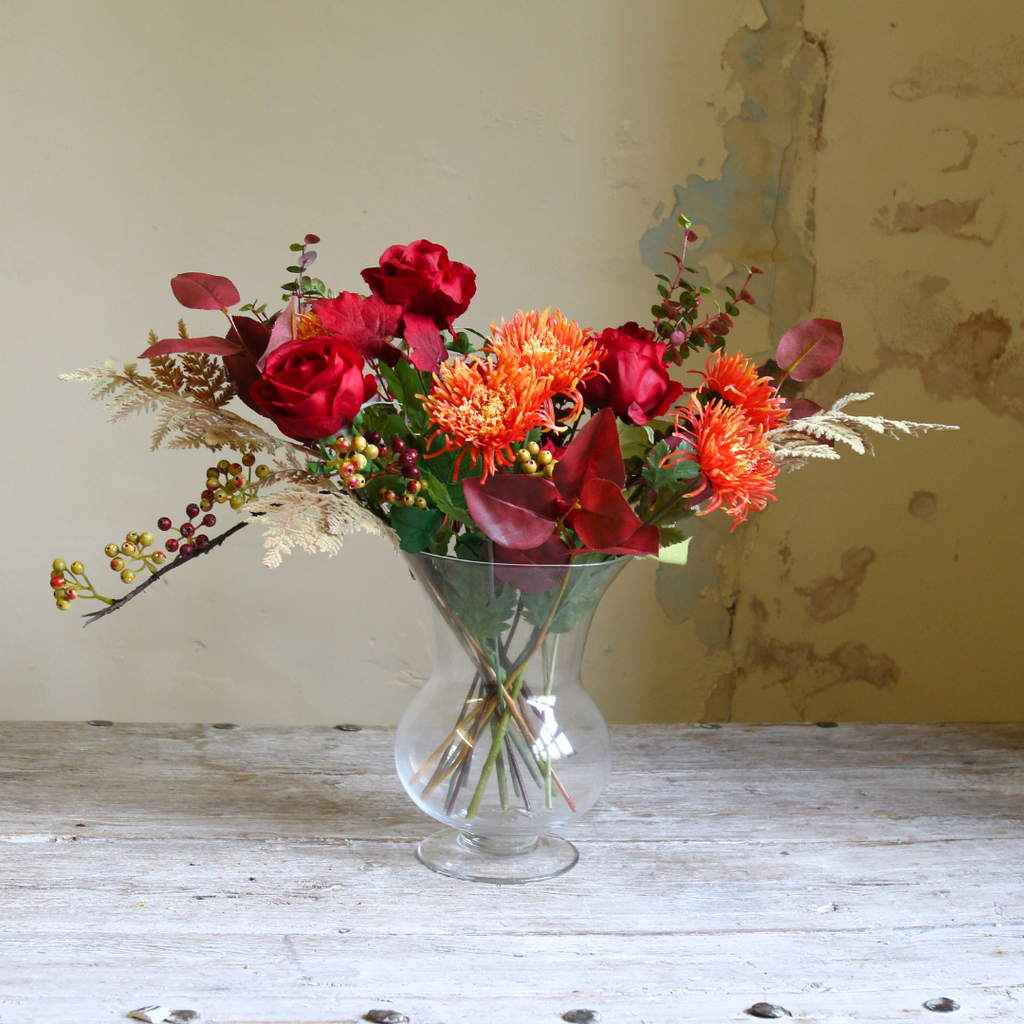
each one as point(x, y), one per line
point(189, 541)
point(367, 457)
point(533, 459)
point(225, 482)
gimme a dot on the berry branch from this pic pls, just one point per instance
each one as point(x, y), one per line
point(119, 602)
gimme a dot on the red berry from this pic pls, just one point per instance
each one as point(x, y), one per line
point(187, 550)
point(202, 541)
point(71, 593)
point(411, 472)
point(186, 529)
point(373, 437)
point(171, 545)
point(209, 520)
point(207, 495)
point(398, 444)
point(163, 523)
point(382, 450)
point(249, 460)
point(192, 510)
point(56, 581)
point(407, 458)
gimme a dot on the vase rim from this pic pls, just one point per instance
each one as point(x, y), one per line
point(613, 560)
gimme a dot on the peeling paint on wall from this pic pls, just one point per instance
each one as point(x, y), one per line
point(948, 216)
point(761, 209)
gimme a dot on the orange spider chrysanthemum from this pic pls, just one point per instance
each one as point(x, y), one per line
point(485, 408)
point(734, 379)
point(734, 458)
point(562, 354)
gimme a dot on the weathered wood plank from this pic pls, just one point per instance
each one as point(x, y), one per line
point(268, 875)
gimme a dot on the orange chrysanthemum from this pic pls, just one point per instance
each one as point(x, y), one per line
point(561, 353)
point(733, 456)
point(734, 379)
point(485, 408)
point(307, 325)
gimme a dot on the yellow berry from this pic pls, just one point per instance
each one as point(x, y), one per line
point(523, 455)
point(421, 502)
point(235, 468)
point(408, 499)
point(237, 501)
point(532, 447)
point(262, 471)
point(359, 443)
point(530, 466)
point(128, 548)
point(356, 481)
point(63, 604)
point(371, 452)
point(110, 550)
point(133, 537)
point(145, 539)
point(117, 564)
point(220, 496)
point(77, 568)
point(212, 483)
point(423, 485)
point(223, 465)
point(359, 460)
point(60, 592)
point(544, 457)
point(59, 565)
point(127, 576)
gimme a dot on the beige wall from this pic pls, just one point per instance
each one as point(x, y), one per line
point(869, 160)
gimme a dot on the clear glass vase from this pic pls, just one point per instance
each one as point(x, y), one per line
point(503, 744)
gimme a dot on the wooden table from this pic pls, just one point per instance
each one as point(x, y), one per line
point(269, 874)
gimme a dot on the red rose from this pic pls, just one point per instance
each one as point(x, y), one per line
point(422, 279)
point(312, 387)
point(633, 379)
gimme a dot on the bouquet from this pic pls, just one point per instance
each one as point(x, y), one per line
point(543, 442)
point(541, 451)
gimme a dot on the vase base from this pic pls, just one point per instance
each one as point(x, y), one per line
point(452, 853)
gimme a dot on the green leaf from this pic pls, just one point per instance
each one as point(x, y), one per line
point(675, 554)
point(484, 610)
point(406, 382)
point(295, 247)
point(674, 476)
point(684, 221)
point(705, 290)
point(294, 270)
point(671, 535)
point(449, 498)
point(382, 483)
point(635, 440)
point(580, 597)
point(415, 526)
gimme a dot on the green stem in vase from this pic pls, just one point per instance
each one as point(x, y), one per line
point(510, 700)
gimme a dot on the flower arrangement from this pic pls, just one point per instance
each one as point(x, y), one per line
point(543, 442)
point(543, 454)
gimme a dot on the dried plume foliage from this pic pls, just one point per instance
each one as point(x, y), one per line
point(813, 437)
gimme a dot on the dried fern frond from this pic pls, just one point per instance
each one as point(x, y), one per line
point(794, 444)
point(186, 395)
point(313, 516)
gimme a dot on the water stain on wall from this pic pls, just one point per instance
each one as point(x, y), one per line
point(948, 216)
point(832, 596)
point(938, 74)
point(760, 210)
point(923, 504)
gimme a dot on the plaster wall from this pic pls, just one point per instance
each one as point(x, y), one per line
point(867, 160)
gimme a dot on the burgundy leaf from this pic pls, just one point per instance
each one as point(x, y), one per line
point(213, 345)
point(515, 511)
point(645, 541)
point(533, 570)
point(311, 239)
point(604, 519)
point(280, 334)
point(366, 324)
point(204, 291)
point(691, 235)
point(423, 336)
point(810, 349)
point(800, 407)
point(594, 452)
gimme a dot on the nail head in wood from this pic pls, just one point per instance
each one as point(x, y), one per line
point(767, 1010)
point(224, 725)
point(182, 1016)
point(942, 1005)
point(98, 721)
point(386, 1017)
point(581, 1016)
point(827, 725)
point(349, 728)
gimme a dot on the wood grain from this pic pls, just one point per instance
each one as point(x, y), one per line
point(268, 874)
